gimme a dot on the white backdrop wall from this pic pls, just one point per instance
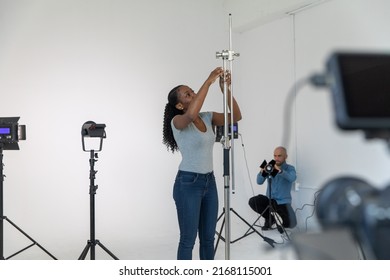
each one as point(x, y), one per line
point(66, 62)
point(278, 55)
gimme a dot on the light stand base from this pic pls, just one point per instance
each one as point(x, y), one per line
point(220, 237)
point(4, 218)
point(91, 246)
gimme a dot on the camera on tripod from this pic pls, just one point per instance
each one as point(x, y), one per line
point(268, 168)
point(11, 132)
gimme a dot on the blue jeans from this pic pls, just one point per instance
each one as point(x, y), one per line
point(196, 201)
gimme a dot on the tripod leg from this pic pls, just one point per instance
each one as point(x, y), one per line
point(222, 225)
point(85, 251)
point(30, 238)
point(20, 251)
point(249, 231)
point(105, 249)
point(279, 225)
point(220, 232)
point(266, 239)
point(91, 245)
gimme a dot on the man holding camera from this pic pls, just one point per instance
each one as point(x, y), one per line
point(281, 176)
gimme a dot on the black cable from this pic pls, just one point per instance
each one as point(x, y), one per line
point(246, 164)
point(307, 204)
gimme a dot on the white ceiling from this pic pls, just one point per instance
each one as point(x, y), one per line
point(248, 14)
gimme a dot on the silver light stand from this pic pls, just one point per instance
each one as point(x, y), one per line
point(227, 56)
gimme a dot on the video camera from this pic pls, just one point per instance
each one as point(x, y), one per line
point(11, 132)
point(268, 168)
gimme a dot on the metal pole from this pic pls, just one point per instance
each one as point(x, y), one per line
point(227, 55)
point(1, 206)
point(231, 102)
point(92, 192)
point(226, 160)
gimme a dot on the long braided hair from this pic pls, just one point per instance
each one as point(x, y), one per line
point(169, 112)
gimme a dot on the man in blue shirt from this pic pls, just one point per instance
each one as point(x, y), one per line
point(278, 192)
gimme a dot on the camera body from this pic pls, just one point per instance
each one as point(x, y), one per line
point(268, 168)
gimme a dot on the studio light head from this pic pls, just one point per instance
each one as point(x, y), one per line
point(10, 133)
point(91, 129)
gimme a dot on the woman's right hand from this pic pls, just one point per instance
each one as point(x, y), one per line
point(215, 74)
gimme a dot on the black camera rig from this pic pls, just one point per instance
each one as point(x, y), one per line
point(268, 168)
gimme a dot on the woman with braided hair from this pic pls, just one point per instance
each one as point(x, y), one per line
point(191, 132)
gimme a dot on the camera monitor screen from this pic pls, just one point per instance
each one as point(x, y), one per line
point(361, 89)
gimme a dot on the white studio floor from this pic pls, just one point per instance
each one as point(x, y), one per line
point(293, 244)
point(250, 247)
point(334, 245)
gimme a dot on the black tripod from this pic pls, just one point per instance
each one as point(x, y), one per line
point(2, 218)
point(271, 209)
point(91, 244)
